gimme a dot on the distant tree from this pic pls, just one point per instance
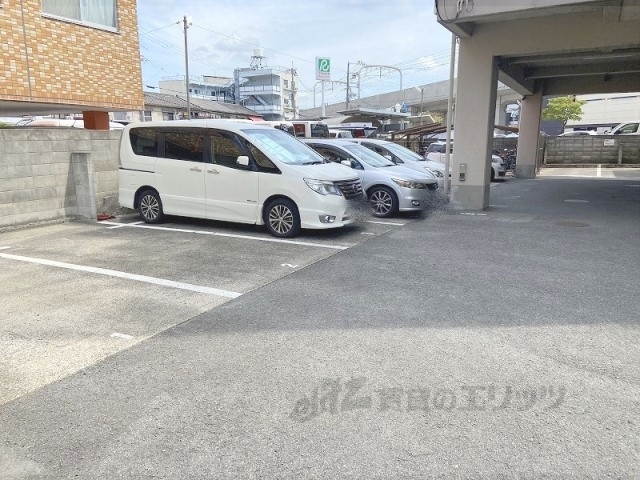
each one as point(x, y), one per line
point(563, 109)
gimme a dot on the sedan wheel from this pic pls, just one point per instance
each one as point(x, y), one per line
point(282, 218)
point(383, 202)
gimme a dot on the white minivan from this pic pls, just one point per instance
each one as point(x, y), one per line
point(232, 171)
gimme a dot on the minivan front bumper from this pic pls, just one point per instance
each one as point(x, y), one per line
point(329, 211)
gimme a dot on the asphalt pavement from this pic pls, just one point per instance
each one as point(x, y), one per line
point(493, 344)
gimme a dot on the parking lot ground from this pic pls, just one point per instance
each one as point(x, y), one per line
point(595, 171)
point(75, 293)
point(494, 344)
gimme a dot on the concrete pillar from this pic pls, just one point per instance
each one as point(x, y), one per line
point(84, 186)
point(528, 137)
point(96, 120)
point(475, 110)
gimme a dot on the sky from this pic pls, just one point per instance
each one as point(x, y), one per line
point(402, 34)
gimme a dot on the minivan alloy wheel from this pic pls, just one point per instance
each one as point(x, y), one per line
point(150, 207)
point(282, 218)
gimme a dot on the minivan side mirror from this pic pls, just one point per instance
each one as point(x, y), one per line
point(346, 163)
point(243, 161)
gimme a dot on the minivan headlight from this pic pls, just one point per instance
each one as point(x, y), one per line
point(437, 173)
point(323, 187)
point(408, 184)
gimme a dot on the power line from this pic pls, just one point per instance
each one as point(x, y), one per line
point(161, 28)
point(254, 45)
point(163, 43)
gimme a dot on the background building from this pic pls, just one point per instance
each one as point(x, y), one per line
point(220, 89)
point(67, 57)
point(160, 106)
point(269, 92)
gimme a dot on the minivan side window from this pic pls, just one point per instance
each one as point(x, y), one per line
point(184, 145)
point(225, 149)
point(144, 141)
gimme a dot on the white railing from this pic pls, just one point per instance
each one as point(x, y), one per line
point(260, 89)
point(265, 108)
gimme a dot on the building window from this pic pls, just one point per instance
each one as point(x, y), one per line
point(168, 116)
point(101, 13)
point(145, 116)
point(286, 84)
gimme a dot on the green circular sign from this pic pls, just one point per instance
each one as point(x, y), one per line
point(324, 64)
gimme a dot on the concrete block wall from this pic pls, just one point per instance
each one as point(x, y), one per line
point(55, 173)
point(593, 149)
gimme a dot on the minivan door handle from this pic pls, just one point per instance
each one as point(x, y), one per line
point(195, 169)
point(213, 171)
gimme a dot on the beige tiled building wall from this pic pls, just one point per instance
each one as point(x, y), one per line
point(67, 63)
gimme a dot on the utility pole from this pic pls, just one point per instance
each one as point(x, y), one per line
point(347, 102)
point(187, 24)
point(293, 91)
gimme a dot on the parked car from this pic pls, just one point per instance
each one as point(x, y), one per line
point(626, 128)
point(403, 156)
point(436, 152)
point(578, 133)
point(390, 188)
point(337, 133)
point(232, 171)
point(64, 122)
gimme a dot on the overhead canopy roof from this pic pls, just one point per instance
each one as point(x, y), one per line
point(598, 58)
point(374, 114)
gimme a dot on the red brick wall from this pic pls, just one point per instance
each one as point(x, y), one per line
point(69, 63)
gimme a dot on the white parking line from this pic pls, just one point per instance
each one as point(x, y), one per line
point(231, 235)
point(4, 248)
point(122, 335)
point(386, 223)
point(128, 276)
point(124, 225)
point(599, 171)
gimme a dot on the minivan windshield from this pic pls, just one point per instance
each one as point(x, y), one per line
point(402, 152)
point(367, 156)
point(282, 147)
